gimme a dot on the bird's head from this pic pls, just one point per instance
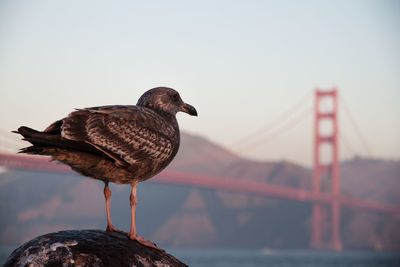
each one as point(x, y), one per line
point(165, 99)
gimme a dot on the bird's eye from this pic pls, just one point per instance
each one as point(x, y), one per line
point(175, 96)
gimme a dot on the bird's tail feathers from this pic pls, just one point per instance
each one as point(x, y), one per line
point(26, 131)
point(36, 150)
point(43, 141)
point(37, 138)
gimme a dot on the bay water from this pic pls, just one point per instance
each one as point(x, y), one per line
point(272, 258)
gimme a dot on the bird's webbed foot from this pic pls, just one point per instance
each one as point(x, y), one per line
point(145, 242)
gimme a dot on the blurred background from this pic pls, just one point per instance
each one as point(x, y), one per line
point(251, 69)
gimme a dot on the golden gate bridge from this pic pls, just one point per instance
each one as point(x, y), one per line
point(317, 198)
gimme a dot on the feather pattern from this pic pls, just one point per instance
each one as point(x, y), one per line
point(122, 144)
point(132, 133)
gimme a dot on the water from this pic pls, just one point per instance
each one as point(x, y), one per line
point(285, 258)
point(272, 258)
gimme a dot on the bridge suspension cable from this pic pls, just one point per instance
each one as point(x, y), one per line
point(278, 131)
point(266, 132)
point(346, 143)
point(275, 122)
point(350, 116)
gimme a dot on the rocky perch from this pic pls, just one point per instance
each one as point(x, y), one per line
point(87, 248)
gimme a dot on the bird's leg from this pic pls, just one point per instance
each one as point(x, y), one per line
point(107, 196)
point(132, 232)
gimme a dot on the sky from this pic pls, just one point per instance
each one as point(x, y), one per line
point(244, 65)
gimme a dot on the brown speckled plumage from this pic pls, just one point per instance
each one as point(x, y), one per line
point(120, 144)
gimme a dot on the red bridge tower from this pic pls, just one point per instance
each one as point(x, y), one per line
point(331, 169)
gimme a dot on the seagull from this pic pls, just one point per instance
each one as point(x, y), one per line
point(123, 144)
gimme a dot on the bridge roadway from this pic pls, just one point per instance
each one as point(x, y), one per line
point(33, 163)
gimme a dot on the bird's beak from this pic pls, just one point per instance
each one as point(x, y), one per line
point(188, 109)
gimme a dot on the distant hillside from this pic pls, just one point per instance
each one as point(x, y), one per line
point(33, 203)
point(199, 155)
point(373, 179)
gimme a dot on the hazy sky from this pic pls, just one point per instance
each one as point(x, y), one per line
point(240, 63)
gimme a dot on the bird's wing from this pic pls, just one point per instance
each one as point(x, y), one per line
point(128, 134)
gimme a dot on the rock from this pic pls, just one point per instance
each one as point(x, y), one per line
point(87, 248)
